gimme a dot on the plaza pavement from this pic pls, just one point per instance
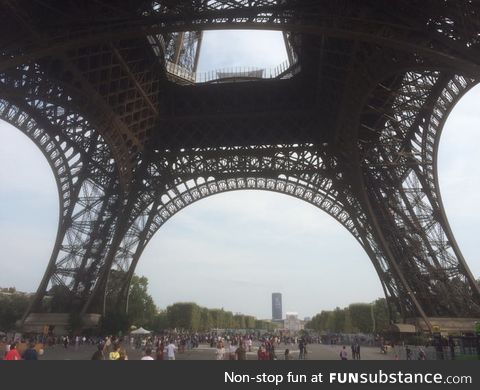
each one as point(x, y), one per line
point(204, 352)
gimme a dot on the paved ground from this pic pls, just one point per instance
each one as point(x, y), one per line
point(204, 352)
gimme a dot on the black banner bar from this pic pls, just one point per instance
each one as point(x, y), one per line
point(239, 375)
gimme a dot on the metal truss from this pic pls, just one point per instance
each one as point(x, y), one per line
point(84, 171)
point(354, 130)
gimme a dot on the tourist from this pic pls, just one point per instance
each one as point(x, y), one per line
point(220, 352)
point(241, 352)
point(408, 352)
point(99, 355)
point(301, 347)
point(13, 354)
point(232, 351)
point(287, 354)
point(171, 348)
point(344, 353)
point(30, 353)
point(115, 354)
point(159, 352)
point(421, 354)
point(123, 355)
point(148, 354)
point(271, 352)
point(262, 353)
point(356, 351)
point(108, 342)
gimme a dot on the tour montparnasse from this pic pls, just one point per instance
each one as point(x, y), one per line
point(110, 94)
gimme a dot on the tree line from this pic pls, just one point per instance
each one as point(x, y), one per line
point(12, 306)
point(357, 317)
point(185, 316)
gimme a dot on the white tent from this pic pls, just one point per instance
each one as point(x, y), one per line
point(140, 331)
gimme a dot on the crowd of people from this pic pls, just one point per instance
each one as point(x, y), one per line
point(224, 346)
point(12, 353)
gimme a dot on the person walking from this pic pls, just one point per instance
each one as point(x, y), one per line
point(421, 354)
point(171, 348)
point(408, 352)
point(344, 353)
point(301, 347)
point(241, 352)
point(30, 353)
point(160, 349)
point(220, 352)
point(13, 353)
point(115, 354)
point(148, 354)
point(123, 355)
point(99, 355)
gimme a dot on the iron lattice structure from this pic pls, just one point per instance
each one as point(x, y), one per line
point(353, 129)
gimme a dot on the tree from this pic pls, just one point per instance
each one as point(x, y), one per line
point(12, 307)
point(141, 308)
point(160, 322)
point(239, 321)
point(381, 315)
point(206, 319)
point(358, 317)
point(250, 322)
point(185, 315)
point(361, 315)
point(338, 320)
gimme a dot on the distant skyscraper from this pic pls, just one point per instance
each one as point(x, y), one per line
point(276, 306)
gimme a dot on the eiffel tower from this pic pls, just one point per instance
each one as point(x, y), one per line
point(110, 94)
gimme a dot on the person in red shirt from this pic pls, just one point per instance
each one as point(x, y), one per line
point(13, 353)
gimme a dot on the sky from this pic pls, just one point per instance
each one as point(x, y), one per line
point(233, 250)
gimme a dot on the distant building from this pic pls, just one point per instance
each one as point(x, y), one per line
point(277, 307)
point(292, 322)
point(10, 291)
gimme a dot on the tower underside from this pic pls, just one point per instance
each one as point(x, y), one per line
point(352, 127)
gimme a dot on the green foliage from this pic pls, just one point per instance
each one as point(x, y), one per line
point(338, 320)
point(160, 322)
point(141, 308)
point(381, 315)
point(358, 317)
point(184, 316)
point(114, 322)
point(12, 307)
point(362, 318)
point(190, 316)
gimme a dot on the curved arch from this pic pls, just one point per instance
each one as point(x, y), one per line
point(401, 173)
point(171, 202)
point(82, 168)
point(456, 88)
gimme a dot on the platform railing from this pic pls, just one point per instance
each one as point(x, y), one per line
point(234, 73)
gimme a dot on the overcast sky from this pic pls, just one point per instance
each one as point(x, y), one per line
point(233, 250)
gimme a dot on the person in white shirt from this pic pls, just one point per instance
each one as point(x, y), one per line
point(171, 348)
point(220, 350)
point(148, 353)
